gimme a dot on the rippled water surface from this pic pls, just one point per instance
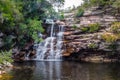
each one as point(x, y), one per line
point(64, 70)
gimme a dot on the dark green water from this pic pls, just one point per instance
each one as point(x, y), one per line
point(57, 70)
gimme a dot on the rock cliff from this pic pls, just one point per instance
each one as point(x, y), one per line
point(81, 40)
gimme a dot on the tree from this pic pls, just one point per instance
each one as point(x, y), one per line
point(23, 18)
point(9, 14)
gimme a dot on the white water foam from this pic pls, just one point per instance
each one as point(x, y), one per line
point(51, 48)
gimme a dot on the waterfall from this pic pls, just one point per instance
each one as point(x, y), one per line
point(51, 47)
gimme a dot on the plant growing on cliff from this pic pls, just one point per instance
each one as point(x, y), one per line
point(74, 26)
point(92, 46)
point(80, 12)
point(89, 3)
point(115, 27)
point(94, 27)
point(113, 46)
point(85, 29)
point(116, 4)
point(109, 37)
point(62, 16)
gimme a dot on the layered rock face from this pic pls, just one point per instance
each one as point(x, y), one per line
point(77, 41)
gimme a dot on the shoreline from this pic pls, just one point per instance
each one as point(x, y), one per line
point(3, 67)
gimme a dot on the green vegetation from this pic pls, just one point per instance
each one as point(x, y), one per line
point(85, 29)
point(109, 37)
point(115, 27)
point(116, 4)
point(91, 28)
point(92, 45)
point(74, 26)
point(5, 57)
point(80, 12)
point(89, 3)
point(61, 16)
point(100, 4)
point(94, 27)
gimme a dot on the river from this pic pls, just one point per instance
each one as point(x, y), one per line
point(64, 70)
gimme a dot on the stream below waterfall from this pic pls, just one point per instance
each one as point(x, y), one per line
point(64, 70)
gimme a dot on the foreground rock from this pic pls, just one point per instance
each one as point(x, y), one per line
point(2, 72)
point(5, 66)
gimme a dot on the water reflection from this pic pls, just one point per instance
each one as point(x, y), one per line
point(51, 70)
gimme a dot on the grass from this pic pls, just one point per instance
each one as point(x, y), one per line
point(80, 12)
point(91, 28)
point(115, 27)
point(109, 37)
point(74, 26)
point(5, 56)
point(94, 27)
point(92, 45)
point(85, 29)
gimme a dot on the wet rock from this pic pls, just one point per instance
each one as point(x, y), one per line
point(32, 54)
point(107, 60)
point(1, 34)
point(60, 22)
point(1, 42)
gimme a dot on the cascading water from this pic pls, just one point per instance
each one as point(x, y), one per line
point(51, 47)
point(59, 42)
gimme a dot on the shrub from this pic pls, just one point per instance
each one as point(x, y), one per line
point(113, 46)
point(115, 27)
point(8, 42)
point(74, 26)
point(62, 16)
point(84, 29)
point(5, 57)
point(80, 12)
point(109, 37)
point(92, 45)
point(94, 27)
